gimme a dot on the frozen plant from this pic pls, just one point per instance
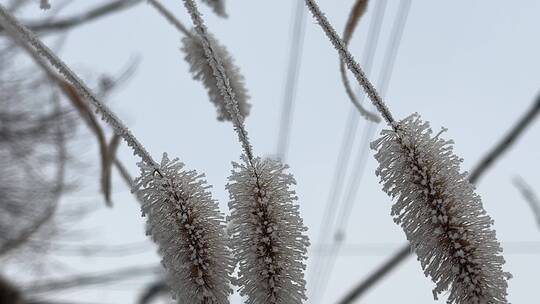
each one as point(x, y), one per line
point(267, 233)
point(199, 67)
point(195, 56)
point(185, 222)
point(441, 215)
point(436, 205)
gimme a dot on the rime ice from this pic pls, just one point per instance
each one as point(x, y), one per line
point(196, 57)
point(186, 224)
point(441, 215)
point(267, 233)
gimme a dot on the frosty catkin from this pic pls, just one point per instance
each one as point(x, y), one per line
point(196, 57)
point(267, 232)
point(268, 236)
point(441, 215)
point(185, 222)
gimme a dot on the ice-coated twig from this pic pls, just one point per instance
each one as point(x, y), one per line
point(222, 80)
point(350, 62)
point(32, 44)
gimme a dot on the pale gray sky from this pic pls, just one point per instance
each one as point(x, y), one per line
point(470, 66)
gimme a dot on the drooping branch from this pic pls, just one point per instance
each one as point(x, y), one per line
point(485, 163)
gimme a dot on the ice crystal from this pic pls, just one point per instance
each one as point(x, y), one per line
point(196, 57)
point(267, 233)
point(218, 6)
point(441, 215)
point(185, 222)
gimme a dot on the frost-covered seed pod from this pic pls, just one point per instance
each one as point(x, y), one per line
point(185, 222)
point(267, 233)
point(218, 6)
point(441, 215)
point(201, 70)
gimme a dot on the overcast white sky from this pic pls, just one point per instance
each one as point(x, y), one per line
point(470, 66)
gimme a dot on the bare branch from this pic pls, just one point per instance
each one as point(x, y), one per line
point(92, 279)
point(45, 26)
point(507, 141)
point(152, 291)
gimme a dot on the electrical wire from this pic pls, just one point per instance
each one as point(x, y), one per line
point(359, 165)
point(291, 80)
point(318, 269)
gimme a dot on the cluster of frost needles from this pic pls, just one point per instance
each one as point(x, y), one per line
point(441, 215)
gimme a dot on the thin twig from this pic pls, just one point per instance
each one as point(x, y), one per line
point(99, 278)
point(400, 256)
point(168, 15)
point(34, 46)
point(357, 12)
point(221, 78)
point(11, 244)
point(506, 141)
point(529, 196)
point(79, 19)
point(321, 269)
point(351, 63)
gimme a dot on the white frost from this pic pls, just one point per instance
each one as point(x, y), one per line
point(441, 215)
point(267, 233)
point(196, 57)
point(186, 224)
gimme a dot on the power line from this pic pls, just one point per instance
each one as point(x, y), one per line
point(291, 81)
point(317, 270)
point(360, 162)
